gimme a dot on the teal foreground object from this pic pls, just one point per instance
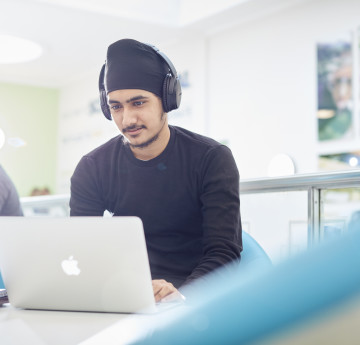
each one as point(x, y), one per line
point(236, 306)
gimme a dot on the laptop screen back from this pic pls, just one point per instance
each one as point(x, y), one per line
point(82, 263)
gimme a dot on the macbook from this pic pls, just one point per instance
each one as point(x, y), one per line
point(76, 264)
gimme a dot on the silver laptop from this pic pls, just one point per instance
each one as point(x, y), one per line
point(78, 264)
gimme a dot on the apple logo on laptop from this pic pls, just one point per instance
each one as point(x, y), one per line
point(70, 266)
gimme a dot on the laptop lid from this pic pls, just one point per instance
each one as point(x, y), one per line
point(80, 264)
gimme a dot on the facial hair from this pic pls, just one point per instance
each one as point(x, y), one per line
point(149, 141)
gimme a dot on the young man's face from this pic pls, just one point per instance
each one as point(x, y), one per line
point(139, 116)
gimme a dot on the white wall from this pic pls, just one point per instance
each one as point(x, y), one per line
point(82, 127)
point(252, 86)
point(262, 87)
point(189, 57)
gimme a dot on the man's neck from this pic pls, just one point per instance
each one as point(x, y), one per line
point(155, 148)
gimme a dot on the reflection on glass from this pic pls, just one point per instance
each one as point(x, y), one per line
point(278, 221)
point(340, 211)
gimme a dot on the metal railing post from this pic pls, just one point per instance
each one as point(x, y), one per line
point(313, 216)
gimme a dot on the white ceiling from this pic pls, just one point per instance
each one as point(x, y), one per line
point(76, 33)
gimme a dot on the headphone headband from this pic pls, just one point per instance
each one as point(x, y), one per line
point(165, 58)
point(171, 96)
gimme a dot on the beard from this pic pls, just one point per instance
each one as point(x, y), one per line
point(149, 141)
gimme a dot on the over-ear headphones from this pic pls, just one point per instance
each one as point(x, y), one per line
point(171, 95)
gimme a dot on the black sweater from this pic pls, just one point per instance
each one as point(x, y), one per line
point(187, 198)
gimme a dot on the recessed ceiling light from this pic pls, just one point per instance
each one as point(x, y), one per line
point(15, 49)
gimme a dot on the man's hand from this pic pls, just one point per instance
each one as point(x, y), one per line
point(165, 291)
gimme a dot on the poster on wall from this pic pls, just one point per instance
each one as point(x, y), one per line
point(335, 89)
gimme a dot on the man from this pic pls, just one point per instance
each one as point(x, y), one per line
point(183, 186)
point(9, 198)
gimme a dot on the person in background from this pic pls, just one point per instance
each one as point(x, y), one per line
point(9, 198)
point(37, 191)
point(182, 185)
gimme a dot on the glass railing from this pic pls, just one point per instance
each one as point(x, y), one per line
point(287, 215)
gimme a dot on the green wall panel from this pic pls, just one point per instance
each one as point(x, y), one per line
point(31, 114)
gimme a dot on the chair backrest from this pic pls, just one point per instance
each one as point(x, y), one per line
point(254, 261)
point(253, 254)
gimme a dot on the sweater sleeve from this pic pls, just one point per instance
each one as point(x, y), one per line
point(219, 195)
point(86, 199)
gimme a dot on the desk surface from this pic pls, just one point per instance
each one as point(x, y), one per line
point(42, 327)
point(37, 327)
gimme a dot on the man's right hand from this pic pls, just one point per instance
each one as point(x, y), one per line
point(165, 291)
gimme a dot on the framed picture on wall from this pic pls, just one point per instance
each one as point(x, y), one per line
point(335, 88)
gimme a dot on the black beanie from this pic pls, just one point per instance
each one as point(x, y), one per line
point(134, 65)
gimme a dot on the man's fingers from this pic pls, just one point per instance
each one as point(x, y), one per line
point(161, 284)
point(156, 286)
point(162, 289)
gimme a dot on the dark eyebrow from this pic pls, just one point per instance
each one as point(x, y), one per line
point(136, 98)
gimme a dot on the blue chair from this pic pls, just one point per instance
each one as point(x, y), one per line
point(253, 261)
point(2, 286)
point(253, 254)
point(295, 292)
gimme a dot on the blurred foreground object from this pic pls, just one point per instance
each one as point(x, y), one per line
point(241, 307)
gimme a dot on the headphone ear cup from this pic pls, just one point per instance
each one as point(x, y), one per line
point(171, 93)
point(103, 99)
point(104, 106)
point(165, 98)
point(177, 93)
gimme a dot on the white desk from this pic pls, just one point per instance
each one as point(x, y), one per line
point(35, 327)
point(39, 327)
